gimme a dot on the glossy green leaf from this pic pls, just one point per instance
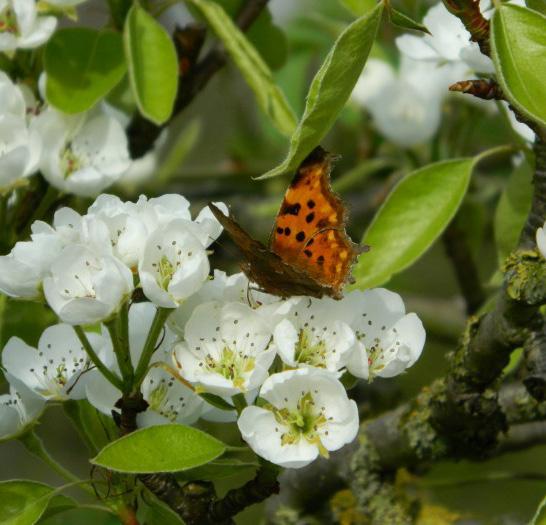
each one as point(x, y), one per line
point(405, 22)
point(251, 65)
point(23, 502)
point(512, 210)
point(412, 217)
point(162, 448)
point(518, 48)
point(83, 65)
point(537, 5)
point(153, 65)
point(331, 88)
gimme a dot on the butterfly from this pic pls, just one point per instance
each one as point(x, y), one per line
point(309, 250)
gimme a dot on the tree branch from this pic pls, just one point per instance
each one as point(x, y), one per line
point(466, 272)
point(194, 76)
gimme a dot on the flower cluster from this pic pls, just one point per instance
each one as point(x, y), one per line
point(227, 352)
point(81, 154)
point(406, 104)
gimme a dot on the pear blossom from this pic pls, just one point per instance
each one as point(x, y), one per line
point(82, 154)
point(230, 288)
point(86, 288)
point(19, 146)
point(449, 41)
point(405, 109)
point(159, 211)
point(114, 226)
point(169, 400)
point(313, 335)
point(24, 268)
point(21, 27)
point(388, 340)
point(306, 413)
point(174, 265)
point(57, 369)
point(226, 350)
point(19, 409)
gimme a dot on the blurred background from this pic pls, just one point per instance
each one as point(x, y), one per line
point(216, 146)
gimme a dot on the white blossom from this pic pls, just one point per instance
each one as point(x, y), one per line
point(174, 265)
point(314, 334)
point(19, 409)
point(449, 41)
point(230, 288)
point(169, 400)
point(405, 109)
point(24, 268)
point(307, 413)
point(21, 27)
point(388, 340)
point(86, 288)
point(226, 349)
point(57, 369)
point(160, 211)
point(115, 227)
point(82, 154)
point(20, 146)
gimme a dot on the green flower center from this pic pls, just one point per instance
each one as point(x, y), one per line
point(156, 401)
point(8, 22)
point(232, 365)
point(303, 422)
point(313, 354)
point(70, 162)
point(166, 271)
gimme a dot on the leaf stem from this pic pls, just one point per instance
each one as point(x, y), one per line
point(47, 201)
point(160, 317)
point(109, 375)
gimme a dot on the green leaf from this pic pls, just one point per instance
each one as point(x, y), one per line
point(268, 39)
point(162, 448)
point(216, 401)
point(412, 217)
point(405, 22)
point(540, 516)
point(24, 502)
point(153, 65)
point(95, 428)
point(331, 88)
point(155, 512)
point(518, 48)
point(83, 65)
point(512, 210)
point(537, 5)
point(251, 65)
point(358, 7)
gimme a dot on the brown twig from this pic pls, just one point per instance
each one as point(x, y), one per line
point(464, 266)
point(142, 133)
point(468, 11)
point(484, 89)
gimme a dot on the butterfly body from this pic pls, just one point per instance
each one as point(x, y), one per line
point(310, 253)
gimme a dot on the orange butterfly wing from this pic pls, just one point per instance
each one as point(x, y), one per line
point(310, 252)
point(309, 231)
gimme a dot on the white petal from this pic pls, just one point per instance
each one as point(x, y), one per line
point(286, 337)
point(541, 241)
